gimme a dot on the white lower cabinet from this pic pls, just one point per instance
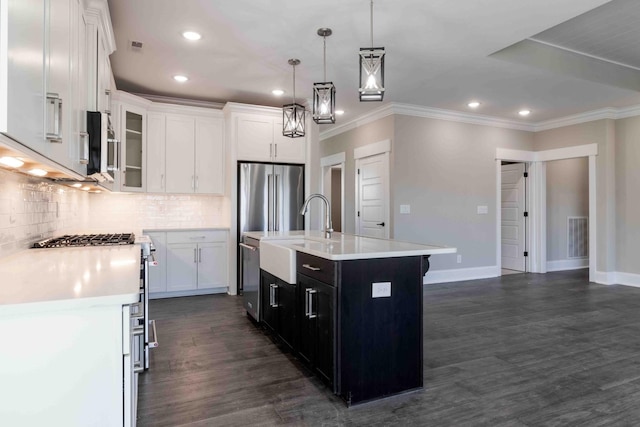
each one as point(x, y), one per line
point(190, 262)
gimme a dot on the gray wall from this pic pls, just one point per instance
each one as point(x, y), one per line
point(444, 170)
point(601, 132)
point(567, 195)
point(628, 195)
point(346, 142)
point(336, 198)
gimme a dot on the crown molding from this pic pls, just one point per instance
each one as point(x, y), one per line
point(98, 10)
point(236, 107)
point(476, 119)
point(181, 101)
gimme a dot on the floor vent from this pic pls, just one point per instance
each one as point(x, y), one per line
point(578, 237)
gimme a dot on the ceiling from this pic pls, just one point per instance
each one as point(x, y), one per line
point(556, 58)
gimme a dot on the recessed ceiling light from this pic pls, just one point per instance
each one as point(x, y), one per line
point(277, 92)
point(524, 113)
point(12, 162)
point(339, 112)
point(473, 104)
point(180, 79)
point(191, 35)
point(38, 172)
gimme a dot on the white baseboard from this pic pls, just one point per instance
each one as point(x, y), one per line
point(567, 264)
point(617, 278)
point(460, 274)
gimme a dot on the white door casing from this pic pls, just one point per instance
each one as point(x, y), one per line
point(513, 219)
point(372, 210)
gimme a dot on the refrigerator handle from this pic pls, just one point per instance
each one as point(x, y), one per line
point(276, 205)
point(270, 197)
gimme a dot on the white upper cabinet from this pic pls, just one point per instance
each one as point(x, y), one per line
point(133, 127)
point(186, 152)
point(257, 135)
point(22, 36)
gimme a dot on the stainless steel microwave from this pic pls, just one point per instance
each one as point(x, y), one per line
point(103, 147)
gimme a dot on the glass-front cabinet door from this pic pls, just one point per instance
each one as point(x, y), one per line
point(133, 125)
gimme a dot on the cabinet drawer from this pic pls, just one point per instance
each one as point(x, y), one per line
point(315, 267)
point(196, 236)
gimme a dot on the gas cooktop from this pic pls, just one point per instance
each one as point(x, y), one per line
point(74, 240)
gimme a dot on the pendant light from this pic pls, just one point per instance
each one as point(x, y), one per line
point(293, 114)
point(324, 94)
point(371, 70)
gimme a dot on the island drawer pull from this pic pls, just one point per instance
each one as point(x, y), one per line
point(310, 267)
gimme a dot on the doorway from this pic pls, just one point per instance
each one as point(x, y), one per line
point(333, 187)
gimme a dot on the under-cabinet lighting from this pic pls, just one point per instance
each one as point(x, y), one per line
point(86, 188)
point(12, 162)
point(191, 35)
point(38, 172)
point(77, 185)
point(180, 79)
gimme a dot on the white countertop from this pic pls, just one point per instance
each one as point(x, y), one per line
point(64, 278)
point(346, 246)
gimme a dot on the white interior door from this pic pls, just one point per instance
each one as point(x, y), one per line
point(513, 220)
point(372, 216)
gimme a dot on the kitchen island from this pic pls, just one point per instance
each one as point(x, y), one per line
point(349, 307)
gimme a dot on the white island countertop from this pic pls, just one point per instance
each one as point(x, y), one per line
point(346, 246)
point(65, 278)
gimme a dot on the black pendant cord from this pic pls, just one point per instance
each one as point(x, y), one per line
point(324, 56)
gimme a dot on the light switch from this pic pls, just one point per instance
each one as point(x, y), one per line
point(483, 210)
point(380, 289)
point(405, 209)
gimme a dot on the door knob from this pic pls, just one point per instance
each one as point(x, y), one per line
point(381, 224)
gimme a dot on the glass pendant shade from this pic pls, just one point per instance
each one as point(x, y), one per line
point(293, 120)
point(371, 74)
point(324, 103)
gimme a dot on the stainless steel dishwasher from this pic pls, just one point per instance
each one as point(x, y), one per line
point(250, 276)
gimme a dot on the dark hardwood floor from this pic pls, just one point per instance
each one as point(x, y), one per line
point(521, 350)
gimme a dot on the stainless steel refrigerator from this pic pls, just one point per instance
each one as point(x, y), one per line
point(270, 197)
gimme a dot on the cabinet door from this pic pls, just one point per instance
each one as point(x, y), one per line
point(316, 308)
point(133, 145)
point(158, 273)
point(180, 152)
point(22, 90)
point(182, 266)
point(254, 137)
point(212, 265)
point(323, 306)
point(288, 150)
point(57, 80)
point(287, 324)
point(269, 300)
point(156, 144)
point(209, 156)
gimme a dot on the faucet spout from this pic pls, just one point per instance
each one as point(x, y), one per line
point(328, 227)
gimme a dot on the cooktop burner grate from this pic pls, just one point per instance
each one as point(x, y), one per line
point(73, 240)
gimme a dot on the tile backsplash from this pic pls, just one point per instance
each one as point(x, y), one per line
point(33, 209)
point(120, 212)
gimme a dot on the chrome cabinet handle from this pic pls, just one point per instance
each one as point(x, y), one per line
point(197, 184)
point(275, 146)
point(251, 248)
point(308, 306)
point(56, 135)
point(193, 182)
point(310, 267)
point(272, 295)
point(270, 150)
point(195, 256)
point(108, 109)
point(199, 254)
point(162, 181)
point(84, 143)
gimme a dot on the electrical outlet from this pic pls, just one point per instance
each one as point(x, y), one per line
point(459, 260)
